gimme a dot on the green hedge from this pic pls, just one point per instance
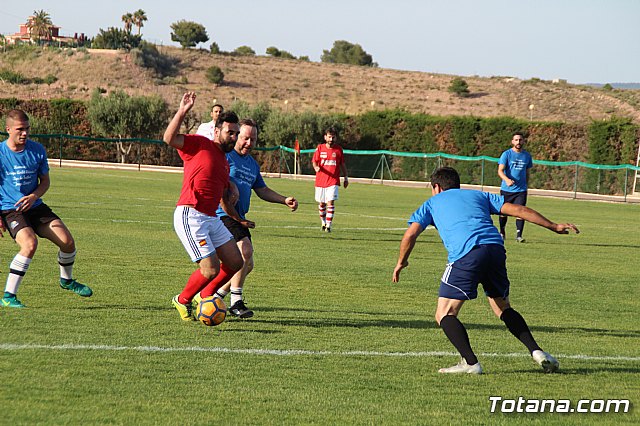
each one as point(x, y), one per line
point(600, 142)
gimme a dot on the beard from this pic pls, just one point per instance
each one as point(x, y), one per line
point(227, 146)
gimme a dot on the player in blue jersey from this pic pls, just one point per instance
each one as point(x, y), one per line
point(513, 169)
point(24, 179)
point(245, 173)
point(476, 256)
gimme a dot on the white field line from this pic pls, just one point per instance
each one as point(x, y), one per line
point(260, 226)
point(289, 352)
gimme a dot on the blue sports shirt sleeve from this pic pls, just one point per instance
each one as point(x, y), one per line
point(422, 216)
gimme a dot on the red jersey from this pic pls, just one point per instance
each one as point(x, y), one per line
point(206, 174)
point(330, 160)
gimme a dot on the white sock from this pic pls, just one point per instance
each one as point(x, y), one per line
point(66, 264)
point(17, 269)
point(221, 293)
point(236, 294)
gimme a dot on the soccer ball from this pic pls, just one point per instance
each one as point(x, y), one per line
point(211, 311)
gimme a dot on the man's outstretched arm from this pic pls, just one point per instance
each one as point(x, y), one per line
point(534, 217)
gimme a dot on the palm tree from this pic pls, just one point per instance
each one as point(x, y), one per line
point(40, 25)
point(138, 19)
point(127, 18)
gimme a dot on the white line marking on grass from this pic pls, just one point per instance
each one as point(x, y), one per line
point(86, 219)
point(290, 352)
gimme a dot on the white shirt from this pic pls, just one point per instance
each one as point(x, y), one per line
point(206, 129)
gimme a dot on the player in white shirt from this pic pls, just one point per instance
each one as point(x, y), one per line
point(206, 129)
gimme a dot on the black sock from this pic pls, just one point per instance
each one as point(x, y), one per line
point(519, 328)
point(458, 336)
point(503, 223)
point(519, 227)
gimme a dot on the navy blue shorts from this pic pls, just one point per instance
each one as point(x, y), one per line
point(519, 198)
point(484, 264)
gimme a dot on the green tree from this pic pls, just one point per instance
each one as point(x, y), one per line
point(139, 18)
point(127, 18)
point(459, 87)
point(188, 33)
point(215, 75)
point(273, 51)
point(122, 116)
point(277, 53)
point(608, 87)
point(244, 51)
point(344, 52)
point(39, 25)
point(214, 48)
point(115, 38)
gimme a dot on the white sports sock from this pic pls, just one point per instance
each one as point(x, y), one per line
point(221, 293)
point(66, 264)
point(17, 269)
point(236, 294)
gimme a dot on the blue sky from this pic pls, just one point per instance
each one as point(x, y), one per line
point(583, 41)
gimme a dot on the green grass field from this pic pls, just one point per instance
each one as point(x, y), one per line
point(333, 340)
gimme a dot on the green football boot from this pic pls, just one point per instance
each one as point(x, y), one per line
point(11, 302)
point(76, 287)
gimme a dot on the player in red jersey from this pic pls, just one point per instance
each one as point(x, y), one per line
point(328, 162)
point(205, 181)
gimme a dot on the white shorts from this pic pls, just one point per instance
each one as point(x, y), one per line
point(326, 194)
point(199, 233)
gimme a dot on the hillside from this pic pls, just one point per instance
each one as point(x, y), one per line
point(299, 86)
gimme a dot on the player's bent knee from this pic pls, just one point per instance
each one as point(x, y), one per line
point(28, 247)
point(209, 273)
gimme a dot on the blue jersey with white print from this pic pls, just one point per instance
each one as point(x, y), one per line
point(463, 219)
point(244, 171)
point(516, 165)
point(19, 172)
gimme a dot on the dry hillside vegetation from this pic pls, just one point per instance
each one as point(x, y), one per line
point(299, 86)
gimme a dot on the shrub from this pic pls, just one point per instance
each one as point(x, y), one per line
point(13, 77)
point(115, 38)
point(50, 79)
point(215, 75)
point(459, 87)
point(244, 51)
point(214, 48)
point(344, 52)
point(148, 56)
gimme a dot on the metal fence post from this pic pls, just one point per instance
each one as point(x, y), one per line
point(626, 178)
point(575, 183)
point(60, 149)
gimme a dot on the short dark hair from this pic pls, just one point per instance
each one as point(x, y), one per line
point(218, 105)
point(227, 117)
point(446, 178)
point(17, 115)
point(330, 131)
point(518, 134)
